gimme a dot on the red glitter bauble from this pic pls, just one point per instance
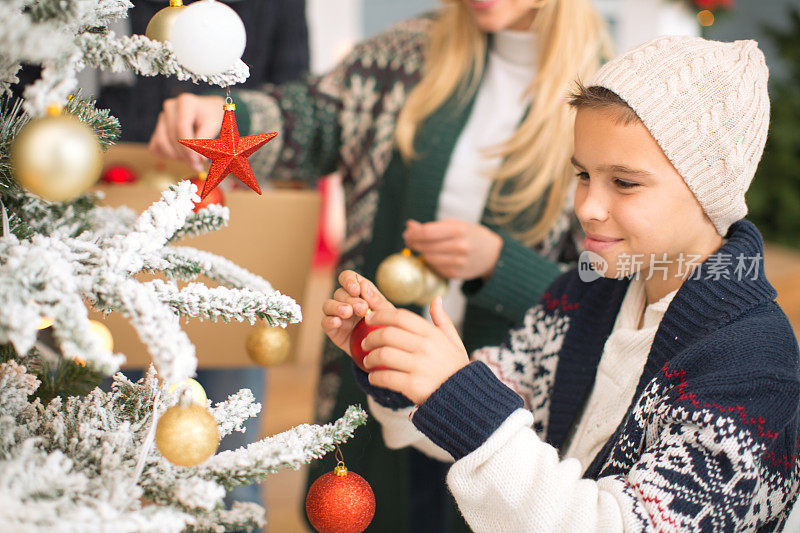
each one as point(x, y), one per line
point(356, 336)
point(118, 174)
point(340, 502)
point(213, 197)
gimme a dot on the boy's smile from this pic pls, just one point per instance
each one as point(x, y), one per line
point(633, 204)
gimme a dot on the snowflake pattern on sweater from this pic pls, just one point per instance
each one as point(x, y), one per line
point(542, 332)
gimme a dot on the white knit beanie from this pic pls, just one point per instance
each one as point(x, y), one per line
point(706, 104)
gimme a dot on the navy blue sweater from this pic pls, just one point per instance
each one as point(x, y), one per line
point(714, 422)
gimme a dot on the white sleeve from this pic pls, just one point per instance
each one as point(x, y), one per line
point(516, 482)
point(399, 432)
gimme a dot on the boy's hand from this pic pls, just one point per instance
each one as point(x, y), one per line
point(454, 248)
point(418, 356)
point(348, 306)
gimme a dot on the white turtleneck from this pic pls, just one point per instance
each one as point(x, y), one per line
point(624, 355)
point(499, 106)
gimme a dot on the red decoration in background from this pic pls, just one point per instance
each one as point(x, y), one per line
point(714, 4)
point(360, 331)
point(229, 153)
point(326, 254)
point(213, 197)
point(340, 502)
point(118, 174)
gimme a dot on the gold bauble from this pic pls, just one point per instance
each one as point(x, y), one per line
point(56, 157)
point(160, 26)
point(159, 179)
point(188, 435)
point(196, 391)
point(400, 278)
point(268, 345)
point(433, 285)
point(103, 334)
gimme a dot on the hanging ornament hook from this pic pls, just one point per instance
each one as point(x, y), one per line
point(340, 469)
point(229, 105)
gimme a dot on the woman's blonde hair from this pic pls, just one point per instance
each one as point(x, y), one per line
point(572, 39)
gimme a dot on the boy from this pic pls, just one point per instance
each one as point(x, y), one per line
point(661, 396)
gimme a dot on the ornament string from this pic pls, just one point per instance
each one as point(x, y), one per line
point(340, 469)
point(148, 440)
point(339, 457)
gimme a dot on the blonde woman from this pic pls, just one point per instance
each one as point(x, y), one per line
point(453, 136)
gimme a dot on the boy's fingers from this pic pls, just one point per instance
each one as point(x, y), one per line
point(359, 305)
point(349, 280)
point(338, 309)
point(330, 323)
point(389, 379)
point(443, 322)
point(373, 296)
point(399, 318)
point(400, 339)
point(390, 358)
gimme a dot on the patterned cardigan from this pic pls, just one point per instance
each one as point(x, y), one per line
point(709, 442)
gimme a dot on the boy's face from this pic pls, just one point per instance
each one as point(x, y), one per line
point(631, 202)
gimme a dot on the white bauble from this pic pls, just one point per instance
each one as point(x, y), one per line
point(208, 37)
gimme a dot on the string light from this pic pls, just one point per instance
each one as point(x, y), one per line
point(705, 17)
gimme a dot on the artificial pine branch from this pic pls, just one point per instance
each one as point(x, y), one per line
point(211, 218)
point(105, 127)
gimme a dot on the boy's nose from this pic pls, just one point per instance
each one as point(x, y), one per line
point(591, 204)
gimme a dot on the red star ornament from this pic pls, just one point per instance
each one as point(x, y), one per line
point(229, 153)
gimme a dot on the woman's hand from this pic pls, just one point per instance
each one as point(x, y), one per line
point(415, 356)
point(348, 306)
point(454, 248)
point(186, 117)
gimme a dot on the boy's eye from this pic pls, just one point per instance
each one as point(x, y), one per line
point(622, 184)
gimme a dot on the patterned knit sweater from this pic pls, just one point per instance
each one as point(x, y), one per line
point(708, 443)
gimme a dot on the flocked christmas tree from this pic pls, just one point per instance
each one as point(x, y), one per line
point(72, 457)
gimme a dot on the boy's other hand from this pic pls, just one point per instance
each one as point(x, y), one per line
point(186, 117)
point(348, 306)
point(418, 356)
point(455, 249)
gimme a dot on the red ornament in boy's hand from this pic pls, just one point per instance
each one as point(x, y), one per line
point(361, 330)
